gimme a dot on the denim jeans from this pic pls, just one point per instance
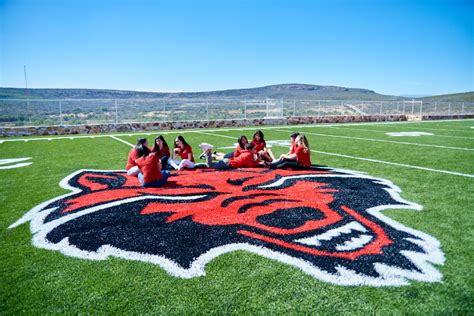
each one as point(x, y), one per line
point(157, 183)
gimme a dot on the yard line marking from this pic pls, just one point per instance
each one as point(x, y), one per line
point(212, 134)
point(13, 163)
point(385, 141)
point(123, 141)
point(439, 129)
point(396, 164)
point(376, 161)
point(387, 131)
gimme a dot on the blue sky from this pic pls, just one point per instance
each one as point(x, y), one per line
point(392, 47)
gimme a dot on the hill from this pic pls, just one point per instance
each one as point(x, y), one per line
point(293, 91)
point(454, 97)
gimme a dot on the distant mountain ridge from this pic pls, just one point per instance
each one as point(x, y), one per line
point(285, 91)
point(292, 90)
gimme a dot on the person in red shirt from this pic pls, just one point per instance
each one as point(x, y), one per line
point(162, 150)
point(300, 159)
point(241, 142)
point(185, 152)
point(131, 167)
point(247, 159)
point(293, 143)
point(150, 175)
point(261, 149)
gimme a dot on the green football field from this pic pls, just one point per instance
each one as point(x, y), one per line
point(431, 162)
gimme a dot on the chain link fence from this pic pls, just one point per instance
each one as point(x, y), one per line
point(64, 112)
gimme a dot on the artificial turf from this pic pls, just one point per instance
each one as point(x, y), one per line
point(41, 281)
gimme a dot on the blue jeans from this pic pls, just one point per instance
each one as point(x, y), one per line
point(229, 155)
point(157, 183)
point(164, 162)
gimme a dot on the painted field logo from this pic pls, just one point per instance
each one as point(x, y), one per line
point(326, 222)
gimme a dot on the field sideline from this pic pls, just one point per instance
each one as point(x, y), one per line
point(434, 170)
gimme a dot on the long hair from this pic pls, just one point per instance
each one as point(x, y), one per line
point(181, 138)
point(294, 135)
point(156, 147)
point(141, 141)
point(142, 151)
point(262, 138)
point(304, 140)
point(239, 140)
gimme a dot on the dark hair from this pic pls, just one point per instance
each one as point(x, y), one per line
point(141, 141)
point(181, 138)
point(294, 134)
point(142, 151)
point(239, 140)
point(259, 133)
point(249, 146)
point(156, 147)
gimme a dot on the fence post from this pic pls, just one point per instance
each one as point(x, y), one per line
point(207, 110)
point(449, 108)
point(380, 111)
point(319, 107)
point(245, 110)
point(462, 109)
point(60, 114)
point(436, 107)
point(412, 106)
point(421, 108)
point(164, 112)
point(116, 111)
point(398, 107)
point(28, 109)
point(294, 108)
point(266, 103)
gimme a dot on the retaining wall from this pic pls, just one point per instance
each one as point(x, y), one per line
point(154, 126)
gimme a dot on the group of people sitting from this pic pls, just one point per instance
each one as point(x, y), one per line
point(152, 166)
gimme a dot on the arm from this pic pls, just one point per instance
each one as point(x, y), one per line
point(289, 156)
point(175, 152)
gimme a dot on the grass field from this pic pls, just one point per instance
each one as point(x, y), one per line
point(435, 171)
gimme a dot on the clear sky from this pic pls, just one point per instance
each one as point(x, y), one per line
point(392, 47)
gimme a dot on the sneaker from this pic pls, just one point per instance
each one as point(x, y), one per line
point(205, 147)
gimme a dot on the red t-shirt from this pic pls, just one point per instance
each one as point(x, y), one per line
point(185, 151)
point(238, 151)
point(149, 167)
point(303, 156)
point(132, 156)
point(245, 159)
point(293, 148)
point(165, 151)
point(258, 146)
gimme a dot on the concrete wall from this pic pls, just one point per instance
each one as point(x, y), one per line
point(153, 126)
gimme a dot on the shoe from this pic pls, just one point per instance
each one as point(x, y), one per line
point(205, 147)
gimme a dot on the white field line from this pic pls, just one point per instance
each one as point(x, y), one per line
point(384, 141)
point(386, 131)
point(439, 129)
point(397, 164)
point(373, 160)
point(253, 128)
point(122, 141)
point(219, 135)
